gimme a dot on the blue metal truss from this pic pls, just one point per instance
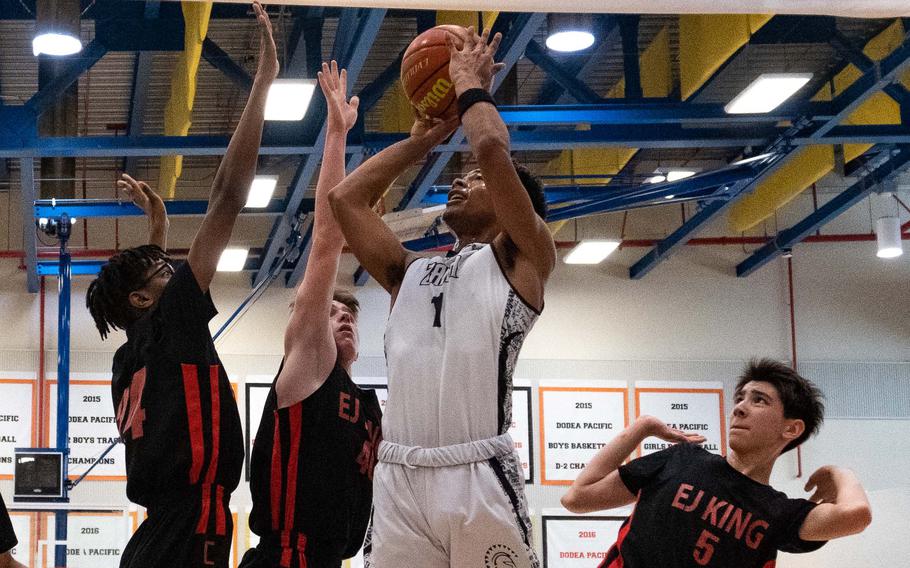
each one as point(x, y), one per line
point(354, 38)
point(873, 80)
point(88, 208)
point(142, 76)
point(889, 166)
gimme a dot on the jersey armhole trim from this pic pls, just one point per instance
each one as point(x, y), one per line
point(414, 257)
point(512, 286)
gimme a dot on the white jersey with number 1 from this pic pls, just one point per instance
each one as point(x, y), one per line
point(451, 343)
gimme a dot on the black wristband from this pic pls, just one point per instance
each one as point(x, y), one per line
point(471, 97)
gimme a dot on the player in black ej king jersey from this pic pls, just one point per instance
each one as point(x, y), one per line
point(311, 468)
point(694, 508)
point(174, 406)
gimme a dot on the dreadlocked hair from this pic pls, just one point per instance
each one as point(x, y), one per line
point(107, 298)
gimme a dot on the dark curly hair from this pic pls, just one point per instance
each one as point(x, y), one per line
point(107, 298)
point(801, 398)
point(534, 187)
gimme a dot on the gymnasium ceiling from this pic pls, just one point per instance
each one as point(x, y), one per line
point(649, 94)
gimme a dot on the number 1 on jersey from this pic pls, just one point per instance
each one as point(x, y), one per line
point(437, 303)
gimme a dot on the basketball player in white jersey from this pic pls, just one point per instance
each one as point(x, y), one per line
point(449, 489)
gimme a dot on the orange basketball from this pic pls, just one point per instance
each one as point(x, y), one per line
point(425, 72)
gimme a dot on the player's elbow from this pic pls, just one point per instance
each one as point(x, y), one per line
point(491, 142)
point(572, 501)
point(858, 517)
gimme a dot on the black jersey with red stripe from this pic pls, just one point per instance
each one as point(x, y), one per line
point(311, 469)
point(694, 509)
point(8, 539)
point(175, 408)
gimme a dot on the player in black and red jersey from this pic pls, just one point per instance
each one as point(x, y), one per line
point(694, 508)
point(174, 406)
point(311, 467)
point(8, 539)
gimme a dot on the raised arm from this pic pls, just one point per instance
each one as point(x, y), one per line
point(237, 168)
point(599, 486)
point(373, 243)
point(472, 67)
point(309, 347)
point(843, 508)
point(151, 204)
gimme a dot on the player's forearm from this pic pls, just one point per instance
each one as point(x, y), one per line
point(158, 227)
point(610, 457)
point(235, 173)
point(365, 185)
point(851, 501)
point(326, 232)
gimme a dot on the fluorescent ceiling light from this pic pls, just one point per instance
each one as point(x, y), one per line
point(573, 40)
point(675, 175)
point(669, 196)
point(656, 178)
point(261, 191)
point(591, 252)
point(289, 99)
point(56, 44)
point(888, 235)
point(232, 260)
point(767, 92)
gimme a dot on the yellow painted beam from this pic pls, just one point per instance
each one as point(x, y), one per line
point(706, 41)
point(810, 164)
point(179, 109)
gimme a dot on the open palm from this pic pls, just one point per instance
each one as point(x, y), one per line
point(342, 112)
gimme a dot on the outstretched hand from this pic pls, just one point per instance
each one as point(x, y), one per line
point(433, 130)
point(659, 429)
point(472, 65)
point(141, 195)
point(268, 54)
point(342, 113)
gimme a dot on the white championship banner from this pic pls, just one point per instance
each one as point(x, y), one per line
point(576, 420)
point(22, 526)
point(695, 407)
point(520, 430)
point(96, 539)
point(18, 412)
point(92, 428)
point(577, 541)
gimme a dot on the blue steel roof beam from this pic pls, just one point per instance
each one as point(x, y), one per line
point(628, 31)
point(645, 136)
point(142, 75)
point(515, 40)
point(352, 58)
point(574, 86)
point(220, 60)
point(606, 112)
point(89, 208)
point(76, 66)
point(580, 66)
point(724, 178)
point(861, 61)
point(30, 240)
point(872, 81)
point(887, 169)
